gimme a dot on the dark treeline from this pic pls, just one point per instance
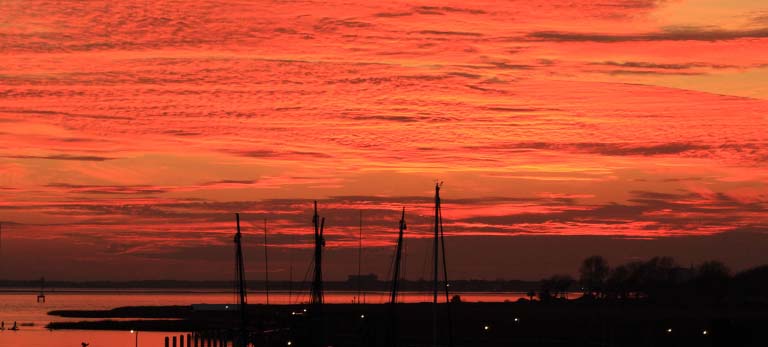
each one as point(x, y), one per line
point(659, 280)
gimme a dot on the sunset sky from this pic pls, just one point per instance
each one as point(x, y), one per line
point(132, 131)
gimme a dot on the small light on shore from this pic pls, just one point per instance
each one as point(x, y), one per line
point(669, 330)
point(226, 307)
point(132, 331)
point(704, 332)
point(305, 310)
point(362, 316)
point(486, 328)
point(517, 319)
point(290, 343)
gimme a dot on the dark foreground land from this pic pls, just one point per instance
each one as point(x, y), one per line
point(566, 323)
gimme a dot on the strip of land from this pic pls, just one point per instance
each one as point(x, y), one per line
point(524, 323)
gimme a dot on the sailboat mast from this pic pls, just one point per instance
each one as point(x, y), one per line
point(435, 262)
point(398, 257)
point(2, 261)
point(266, 262)
point(396, 281)
point(318, 320)
point(360, 260)
point(290, 271)
point(445, 278)
point(317, 283)
point(240, 269)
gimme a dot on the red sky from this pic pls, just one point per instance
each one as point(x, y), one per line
point(130, 133)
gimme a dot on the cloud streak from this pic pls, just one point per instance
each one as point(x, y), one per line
point(671, 34)
point(61, 157)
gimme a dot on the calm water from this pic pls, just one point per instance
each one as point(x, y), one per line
point(32, 317)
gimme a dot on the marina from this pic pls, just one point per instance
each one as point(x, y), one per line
point(319, 317)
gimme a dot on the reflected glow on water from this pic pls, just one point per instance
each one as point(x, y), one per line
point(32, 317)
point(74, 338)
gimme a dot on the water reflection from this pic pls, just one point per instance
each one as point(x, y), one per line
point(32, 317)
point(75, 338)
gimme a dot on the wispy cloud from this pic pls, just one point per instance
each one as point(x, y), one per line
point(96, 189)
point(671, 34)
point(61, 157)
point(662, 66)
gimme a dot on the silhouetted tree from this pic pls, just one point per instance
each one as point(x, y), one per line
point(593, 272)
point(530, 294)
point(751, 285)
point(617, 286)
point(711, 281)
point(546, 287)
point(634, 281)
point(555, 287)
point(659, 278)
point(544, 294)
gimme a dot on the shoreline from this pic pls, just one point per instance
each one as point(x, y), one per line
point(497, 324)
